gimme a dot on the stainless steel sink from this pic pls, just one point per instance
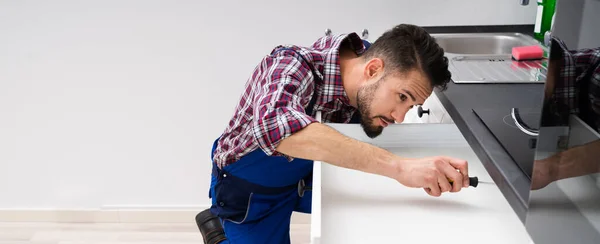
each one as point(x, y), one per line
point(487, 58)
point(483, 43)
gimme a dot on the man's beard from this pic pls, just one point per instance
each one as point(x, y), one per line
point(364, 99)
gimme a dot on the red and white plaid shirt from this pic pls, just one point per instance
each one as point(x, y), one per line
point(580, 69)
point(273, 104)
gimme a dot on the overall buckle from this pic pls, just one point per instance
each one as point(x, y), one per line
point(302, 188)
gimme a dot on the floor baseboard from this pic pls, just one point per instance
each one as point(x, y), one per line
point(114, 215)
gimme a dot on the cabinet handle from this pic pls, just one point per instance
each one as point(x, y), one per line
point(421, 111)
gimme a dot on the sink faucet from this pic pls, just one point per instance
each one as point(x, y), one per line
point(524, 2)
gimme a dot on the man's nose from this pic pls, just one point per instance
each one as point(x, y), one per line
point(398, 115)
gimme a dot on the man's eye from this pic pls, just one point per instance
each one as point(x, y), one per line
point(402, 97)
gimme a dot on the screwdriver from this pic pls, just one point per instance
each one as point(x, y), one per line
point(473, 181)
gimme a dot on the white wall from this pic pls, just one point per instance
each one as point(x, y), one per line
point(116, 103)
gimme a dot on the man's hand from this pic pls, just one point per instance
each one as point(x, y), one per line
point(433, 173)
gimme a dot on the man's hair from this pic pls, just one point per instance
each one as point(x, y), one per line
point(407, 47)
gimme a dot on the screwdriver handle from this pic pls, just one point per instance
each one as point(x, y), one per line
point(473, 181)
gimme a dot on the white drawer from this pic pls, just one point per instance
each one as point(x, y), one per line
point(354, 207)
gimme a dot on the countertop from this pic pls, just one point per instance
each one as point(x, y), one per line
point(460, 100)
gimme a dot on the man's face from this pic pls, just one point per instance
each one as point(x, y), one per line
point(388, 98)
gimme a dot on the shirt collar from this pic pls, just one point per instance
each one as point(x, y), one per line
point(332, 78)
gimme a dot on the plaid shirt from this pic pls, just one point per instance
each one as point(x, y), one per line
point(272, 107)
point(580, 70)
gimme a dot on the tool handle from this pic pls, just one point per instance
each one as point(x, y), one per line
point(473, 181)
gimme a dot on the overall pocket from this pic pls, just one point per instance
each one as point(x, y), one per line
point(232, 200)
point(261, 205)
point(237, 202)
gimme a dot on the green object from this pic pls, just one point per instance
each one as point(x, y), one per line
point(544, 18)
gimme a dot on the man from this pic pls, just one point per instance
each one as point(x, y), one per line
point(572, 87)
point(266, 153)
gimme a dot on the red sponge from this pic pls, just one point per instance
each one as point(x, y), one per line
point(527, 53)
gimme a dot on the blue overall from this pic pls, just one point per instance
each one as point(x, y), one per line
point(255, 196)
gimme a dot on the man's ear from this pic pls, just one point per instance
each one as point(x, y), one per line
point(373, 68)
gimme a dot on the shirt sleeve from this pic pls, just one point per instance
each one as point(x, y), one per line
point(279, 102)
point(588, 61)
point(566, 86)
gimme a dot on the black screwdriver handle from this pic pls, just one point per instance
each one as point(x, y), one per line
point(473, 181)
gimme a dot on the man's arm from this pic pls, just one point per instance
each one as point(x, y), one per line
point(574, 162)
point(321, 142)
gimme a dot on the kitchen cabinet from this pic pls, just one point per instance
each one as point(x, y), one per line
point(350, 206)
